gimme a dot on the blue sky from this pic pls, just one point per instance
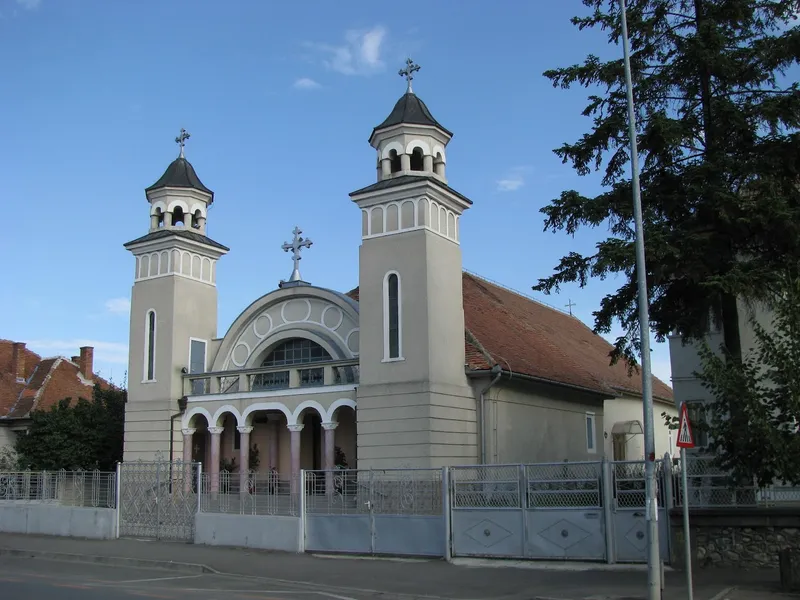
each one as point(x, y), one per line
point(280, 98)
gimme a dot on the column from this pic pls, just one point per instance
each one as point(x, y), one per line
point(330, 454)
point(405, 162)
point(427, 163)
point(187, 459)
point(244, 457)
point(273, 438)
point(386, 167)
point(295, 455)
point(216, 434)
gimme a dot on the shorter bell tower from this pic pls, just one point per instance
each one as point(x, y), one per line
point(415, 406)
point(173, 307)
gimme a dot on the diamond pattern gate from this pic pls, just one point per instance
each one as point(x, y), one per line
point(628, 515)
point(541, 511)
point(158, 499)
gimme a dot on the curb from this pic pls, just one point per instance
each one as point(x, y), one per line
point(115, 561)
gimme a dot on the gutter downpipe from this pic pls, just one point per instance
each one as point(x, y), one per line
point(497, 371)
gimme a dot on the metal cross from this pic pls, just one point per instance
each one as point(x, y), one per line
point(181, 139)
point(569, 305)
point(298, 243)
point(408, 72)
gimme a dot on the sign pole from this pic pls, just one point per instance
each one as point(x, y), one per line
point(686, 440)
point(686, 541)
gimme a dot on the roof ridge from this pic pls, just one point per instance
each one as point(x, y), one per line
point(518, 293)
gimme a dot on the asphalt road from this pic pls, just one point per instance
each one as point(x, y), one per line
point(38, 579)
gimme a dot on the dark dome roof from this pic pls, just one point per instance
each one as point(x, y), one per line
point(180, 174)
point(410, 109)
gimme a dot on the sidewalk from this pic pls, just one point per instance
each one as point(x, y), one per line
point(398, 578)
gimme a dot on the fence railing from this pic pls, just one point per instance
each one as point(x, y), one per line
point(375, 491)
point(257, 494)
point(711, 487)
point(65, 488)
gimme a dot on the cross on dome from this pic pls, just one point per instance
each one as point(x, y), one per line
point(181, 140)
point(298, 243)
point(408, 73)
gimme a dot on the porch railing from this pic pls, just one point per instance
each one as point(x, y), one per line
point(259, 379)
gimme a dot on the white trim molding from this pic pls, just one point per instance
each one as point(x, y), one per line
point(387, 356)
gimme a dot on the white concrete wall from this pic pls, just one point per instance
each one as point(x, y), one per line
point(620, 410)
point(50, 519)
point(248, 531)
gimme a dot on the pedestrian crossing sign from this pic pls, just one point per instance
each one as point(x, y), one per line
point(685, 435)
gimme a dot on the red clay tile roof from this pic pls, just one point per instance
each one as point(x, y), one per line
point(530, 338)
point(46, 382)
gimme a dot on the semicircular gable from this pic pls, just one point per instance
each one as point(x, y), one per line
point(327, 317)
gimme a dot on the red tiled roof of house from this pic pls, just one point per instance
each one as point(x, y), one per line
point(40, 383)
point(530, 338)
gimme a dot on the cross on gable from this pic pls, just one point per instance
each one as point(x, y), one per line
point(409, 71)
point(298, 243)
point(569, 305)
point(181, 139)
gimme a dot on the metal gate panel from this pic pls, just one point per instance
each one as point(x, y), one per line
point(158, 500)
point(388, 511)
point(564, 514)
point(629, 517)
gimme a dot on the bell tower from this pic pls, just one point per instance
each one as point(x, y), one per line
point(173, 307)
point(415, 406)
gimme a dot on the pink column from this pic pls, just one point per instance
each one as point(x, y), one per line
point(330, 454)
point(244, 457)
point(216, 434)
point(187, 459)
point(295, 455)
point(274, 432)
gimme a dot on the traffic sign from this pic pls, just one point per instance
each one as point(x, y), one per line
point(685, 435)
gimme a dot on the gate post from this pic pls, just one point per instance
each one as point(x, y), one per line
point(448, 555)
point(608, 513)
point(199, 487)
point(301, 536)
point(118, 496)
point(669, 501)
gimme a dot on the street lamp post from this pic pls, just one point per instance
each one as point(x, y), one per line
point(651, 488)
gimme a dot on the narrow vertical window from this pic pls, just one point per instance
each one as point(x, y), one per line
point(591, 443)
point(392, 318)
point(150, 346)
point(197, 364)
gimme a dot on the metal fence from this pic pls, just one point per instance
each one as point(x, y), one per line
point(375, 491)
point(95, 489)
point(257, 494)
point(711, 487)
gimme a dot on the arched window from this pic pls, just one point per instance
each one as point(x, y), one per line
point(392, 319)
point(150, 346)
point(178, 218)
point(297, 351)
point(417, 159)
point(395, 161)
point(196, 219)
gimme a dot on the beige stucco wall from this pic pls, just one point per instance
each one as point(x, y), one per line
point(627, 408)
point(529, 423)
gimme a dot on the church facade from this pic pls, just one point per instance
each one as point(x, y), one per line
point(422, 365)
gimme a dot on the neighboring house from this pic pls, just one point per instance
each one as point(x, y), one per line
point(686, 364)
point(422, 365)
point(29, 382)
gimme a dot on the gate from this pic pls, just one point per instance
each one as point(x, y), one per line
point(628, 515)
point(545, 511)
point(387, 511)
point(158, 499)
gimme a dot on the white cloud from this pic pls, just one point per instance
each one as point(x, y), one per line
point(514, 180)
point(305, 83)
point(104, 352)
point(29, 4)
point(118, 306)
point(360, 54)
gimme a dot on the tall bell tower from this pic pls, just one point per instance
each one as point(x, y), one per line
point(173, 307)
point(415, 406)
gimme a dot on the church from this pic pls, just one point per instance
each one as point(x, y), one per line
point(423, 364)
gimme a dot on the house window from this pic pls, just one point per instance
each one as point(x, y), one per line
point(698, 418)
point(392, 319)
point(591, 442)
point(197, 363)
point(150, 346)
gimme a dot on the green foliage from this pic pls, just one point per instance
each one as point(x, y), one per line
point(9, 461)
point(719, 151)
point(253, 459)
point(80, 435)
point(756, 409)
